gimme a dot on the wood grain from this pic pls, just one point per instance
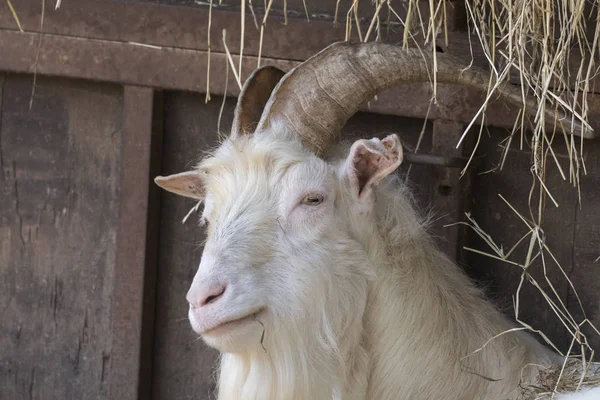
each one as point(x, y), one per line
point(58, 218)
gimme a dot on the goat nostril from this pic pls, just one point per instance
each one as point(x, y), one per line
point(201, 295)
point(214, 297)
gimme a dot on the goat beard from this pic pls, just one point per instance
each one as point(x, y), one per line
point(308, 358)
point(293, 364)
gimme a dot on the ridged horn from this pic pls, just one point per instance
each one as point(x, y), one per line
point(316, 98)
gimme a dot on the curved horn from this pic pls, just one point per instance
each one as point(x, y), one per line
point(252, 99)
point(317, 98)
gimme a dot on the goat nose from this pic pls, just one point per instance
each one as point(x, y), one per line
point(199, 297)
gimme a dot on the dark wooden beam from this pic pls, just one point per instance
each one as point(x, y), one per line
point(137, 242)
point(2, 78)
point(450, 192)
point(178, 26)
point(186, 27)
point(180, 69)
point(125, 63)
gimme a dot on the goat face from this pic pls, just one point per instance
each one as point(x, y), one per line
point(287, 240)
point(266, 212)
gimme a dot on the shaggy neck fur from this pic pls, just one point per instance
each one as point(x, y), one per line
point(405, 326)
point(428, 319)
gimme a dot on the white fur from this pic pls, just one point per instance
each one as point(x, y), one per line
point(583, 394)
point(351, 298)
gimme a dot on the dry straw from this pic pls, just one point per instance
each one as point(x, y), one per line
point(14, 15)
point(572, 376)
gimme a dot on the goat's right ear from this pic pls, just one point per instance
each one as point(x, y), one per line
point(187, 184)
point(253, 98)
point(370, 161)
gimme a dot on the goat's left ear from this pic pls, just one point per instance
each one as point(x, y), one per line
point(370, 161)
point(253, 98)
point(186, 184)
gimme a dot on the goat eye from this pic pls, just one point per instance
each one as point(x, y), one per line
point(312, 199)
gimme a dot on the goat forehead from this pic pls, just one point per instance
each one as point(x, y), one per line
point(260, 160)
point(249, 178)
point(242, 218)
point(242, 173)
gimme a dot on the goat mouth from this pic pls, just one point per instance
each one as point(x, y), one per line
point(227, 326)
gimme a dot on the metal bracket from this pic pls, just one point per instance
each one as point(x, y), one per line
point(442, 161)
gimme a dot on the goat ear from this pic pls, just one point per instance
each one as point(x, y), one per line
point(252, 99)
point(372, 160)
point(187, 184)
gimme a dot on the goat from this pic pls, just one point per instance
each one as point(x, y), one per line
point(318, 279)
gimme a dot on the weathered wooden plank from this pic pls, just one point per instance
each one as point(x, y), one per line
point(175, 26)
point(449, 191)
point(170, 68)
point(135, 271)
point(152, 246)
point(183, 364)
point(186, 27)
point(316, 9)
point(58, 218)
point(584, 268)
point(2, 79)
point(126, 63)
point(458, 103)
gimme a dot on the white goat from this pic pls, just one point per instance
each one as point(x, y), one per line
point(318, 279)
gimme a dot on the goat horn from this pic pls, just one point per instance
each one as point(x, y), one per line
point(316, 98)
point(252, 99)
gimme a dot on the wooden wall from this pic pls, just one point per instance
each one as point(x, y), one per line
point(94, 261)
point(59, 207)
